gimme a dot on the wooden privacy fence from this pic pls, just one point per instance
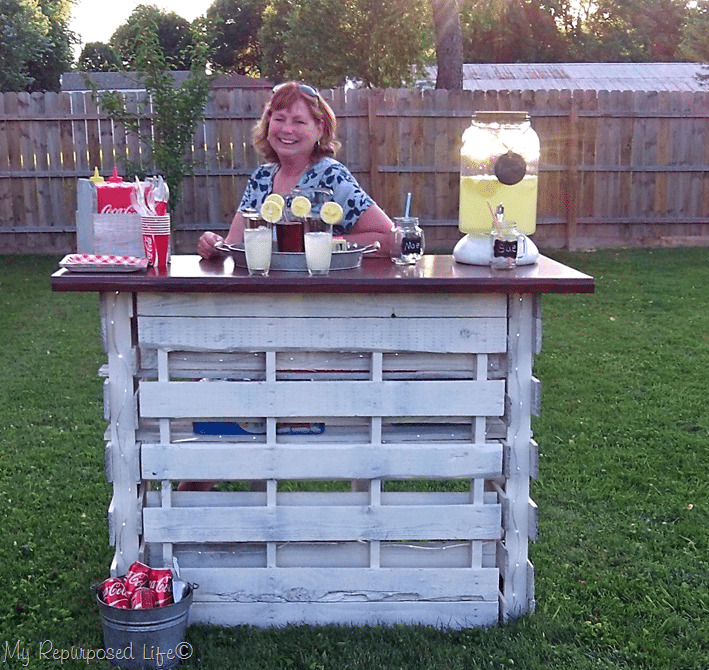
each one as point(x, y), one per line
point(618, 168)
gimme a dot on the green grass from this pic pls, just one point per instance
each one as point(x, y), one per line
point(622, 561)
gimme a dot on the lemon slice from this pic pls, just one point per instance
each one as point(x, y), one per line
point(276, 197)
point(300, 206)
point(271, 211)
point(331, 212)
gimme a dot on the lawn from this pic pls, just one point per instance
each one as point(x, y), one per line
point(622, 560)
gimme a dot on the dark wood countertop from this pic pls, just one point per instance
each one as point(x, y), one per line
point(190, 274)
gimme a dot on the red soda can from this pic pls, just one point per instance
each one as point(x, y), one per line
point(161, 584)
point(138, 575)
point(143, 598)
point(113, 593)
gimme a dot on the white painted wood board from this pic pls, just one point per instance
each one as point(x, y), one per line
point(327, 461)
point(272, 333)
point(325, 523)
point(440, 615)
point(322, 399)
point(331, 585)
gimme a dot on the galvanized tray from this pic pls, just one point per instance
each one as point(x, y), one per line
point(289, 261)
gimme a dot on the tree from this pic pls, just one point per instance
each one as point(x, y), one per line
point(22, 37)
point(695, 36)
point(98, 57)
point(449, 44)
point(35, 44)
point(511, 32)
point(370, 41)
point(174, 111)
point(56, 57)
point(233, 27)
point(173, 33)
point(272, 36)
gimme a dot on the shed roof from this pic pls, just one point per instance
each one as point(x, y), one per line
point(586, 76)
point(131, 81)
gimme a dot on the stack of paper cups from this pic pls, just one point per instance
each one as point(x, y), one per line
point(156, 239)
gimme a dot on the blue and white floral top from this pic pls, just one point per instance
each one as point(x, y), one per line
point(326, 173)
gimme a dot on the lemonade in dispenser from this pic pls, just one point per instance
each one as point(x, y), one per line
point(499, 163)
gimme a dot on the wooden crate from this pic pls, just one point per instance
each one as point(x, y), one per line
point(412, 506)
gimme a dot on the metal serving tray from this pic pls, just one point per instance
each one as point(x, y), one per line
point(289, 261)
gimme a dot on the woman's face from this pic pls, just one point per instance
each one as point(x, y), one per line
point(293, 132)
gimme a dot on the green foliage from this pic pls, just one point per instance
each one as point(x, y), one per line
point(174, 112)
point(35, 44)
point(516, 31)
point(98, 57)
point(271, 36)
point(366, 40)
point(695, 36)
point(233, 27)
point(174, 35)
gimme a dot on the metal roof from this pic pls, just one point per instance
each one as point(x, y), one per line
point(586, 76)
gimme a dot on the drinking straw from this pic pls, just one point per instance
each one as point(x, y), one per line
point(407, 209)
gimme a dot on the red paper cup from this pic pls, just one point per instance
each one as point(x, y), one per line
point(157, 249)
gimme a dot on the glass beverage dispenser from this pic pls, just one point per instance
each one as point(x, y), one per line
point(499, 163)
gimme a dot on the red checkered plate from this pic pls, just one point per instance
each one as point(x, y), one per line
point(103, 263)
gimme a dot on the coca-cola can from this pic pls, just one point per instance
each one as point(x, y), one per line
point(143, 598)
point(113, 593)
point(161, 584)
point(138, 575)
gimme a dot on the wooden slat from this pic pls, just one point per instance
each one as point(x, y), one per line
point(344, 585)
point(321, 304)
point(439, 615)
point(293, 400)
point(321, 461)
point(363, 334)
point(324, 523)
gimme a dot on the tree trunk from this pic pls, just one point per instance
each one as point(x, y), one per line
point(449, 44)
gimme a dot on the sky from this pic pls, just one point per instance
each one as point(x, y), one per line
point(97, 20)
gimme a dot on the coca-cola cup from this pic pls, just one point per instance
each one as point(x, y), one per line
point(156, 239)
point(161, 585)
point(113, 593)
point(143, 598)
point(138, 575)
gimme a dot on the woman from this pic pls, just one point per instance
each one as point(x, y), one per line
point(297, 137)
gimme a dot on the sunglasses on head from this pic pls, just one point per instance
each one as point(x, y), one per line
point(303, 88)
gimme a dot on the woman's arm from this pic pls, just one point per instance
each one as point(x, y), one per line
point(373, 226)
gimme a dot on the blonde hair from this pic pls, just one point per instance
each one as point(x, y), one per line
point(284, 97)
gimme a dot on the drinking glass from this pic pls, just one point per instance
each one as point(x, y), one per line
point(257, 244)
point(318, 246)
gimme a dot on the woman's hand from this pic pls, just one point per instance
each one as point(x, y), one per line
point(207, 245)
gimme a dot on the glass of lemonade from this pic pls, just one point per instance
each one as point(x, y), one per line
point(318, 245)
point(257, 244)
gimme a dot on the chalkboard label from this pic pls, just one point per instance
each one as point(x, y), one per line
point(411, 245)
point(505, 249)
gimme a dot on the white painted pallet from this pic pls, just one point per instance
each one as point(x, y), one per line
point(415, 506)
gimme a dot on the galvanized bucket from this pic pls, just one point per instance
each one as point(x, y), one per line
point(151, 638)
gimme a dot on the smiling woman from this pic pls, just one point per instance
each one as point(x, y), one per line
point(297, 135)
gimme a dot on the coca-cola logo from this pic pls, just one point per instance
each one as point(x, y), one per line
point(109, 209)
point(136, 578)
point(114, 589)
point(162, 585)
point(149, 247)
